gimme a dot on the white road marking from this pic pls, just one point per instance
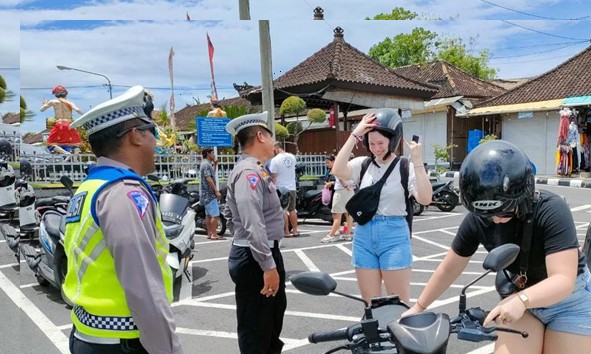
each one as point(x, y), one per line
point(581, 207)
point(8, 265)
point(487, 349)
point(53, 333)
point(306, 260)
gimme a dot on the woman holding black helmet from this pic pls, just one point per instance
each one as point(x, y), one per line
point(549, 293)
point(381, 247)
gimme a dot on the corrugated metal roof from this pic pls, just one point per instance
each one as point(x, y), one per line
point(514, 108)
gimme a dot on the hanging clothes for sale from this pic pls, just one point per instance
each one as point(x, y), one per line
point(564, 154)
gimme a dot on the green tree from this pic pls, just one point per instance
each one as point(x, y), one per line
point(398, 13)
point(281, 132)
point(26, 115)
point(442, 153)
point(293, 106)
point(422, 46)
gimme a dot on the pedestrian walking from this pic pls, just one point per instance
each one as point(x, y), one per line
point(118, 278)
point(255, 219)
point(283, 172)
point(209, 195)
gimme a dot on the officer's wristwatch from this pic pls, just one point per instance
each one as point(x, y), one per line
point(523, 299)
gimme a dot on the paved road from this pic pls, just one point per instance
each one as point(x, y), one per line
point(35, 320)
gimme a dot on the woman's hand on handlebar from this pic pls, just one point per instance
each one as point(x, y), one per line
point(509, 310)
point(411, 311)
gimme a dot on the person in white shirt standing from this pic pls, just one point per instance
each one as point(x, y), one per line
point(282, 170)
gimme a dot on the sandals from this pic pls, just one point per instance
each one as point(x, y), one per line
point(217, 238)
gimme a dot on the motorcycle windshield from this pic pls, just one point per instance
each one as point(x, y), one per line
point(173, 207)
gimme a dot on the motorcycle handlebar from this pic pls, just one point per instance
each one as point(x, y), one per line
point(339, 334)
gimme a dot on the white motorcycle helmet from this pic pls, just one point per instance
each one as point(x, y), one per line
point(7, 176)
point(25, 195)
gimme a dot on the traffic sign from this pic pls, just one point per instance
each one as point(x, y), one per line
point(212, 132)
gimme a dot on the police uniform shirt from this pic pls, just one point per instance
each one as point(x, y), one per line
point(129, 231)
point(253, 209)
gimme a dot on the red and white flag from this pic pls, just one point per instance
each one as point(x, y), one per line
point(211, 50)
point(188, 17)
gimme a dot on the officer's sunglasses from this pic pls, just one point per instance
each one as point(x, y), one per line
point(151, 127)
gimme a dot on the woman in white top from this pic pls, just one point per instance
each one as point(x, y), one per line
point(381, 247)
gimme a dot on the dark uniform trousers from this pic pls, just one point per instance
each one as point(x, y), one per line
point(127, 346)
point(260, 318)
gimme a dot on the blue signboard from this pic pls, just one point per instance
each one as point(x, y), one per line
point(212, 132)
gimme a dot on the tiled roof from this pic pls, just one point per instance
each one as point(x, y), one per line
point(187, 114)
point(451, 80)
point(570, 78)
point(11, 118)
point(35, 138)
point(339, 62)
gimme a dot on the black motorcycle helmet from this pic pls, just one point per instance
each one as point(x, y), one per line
point(283, 194)
point(5, 148)
point(26, 169)
point(496, 177)
point(387, 121)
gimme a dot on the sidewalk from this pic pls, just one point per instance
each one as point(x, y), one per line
point(551, 180)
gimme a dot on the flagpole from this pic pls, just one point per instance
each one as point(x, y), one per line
point(214, 96)
point(171, 102)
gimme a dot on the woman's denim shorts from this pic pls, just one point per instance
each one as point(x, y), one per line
point(573, 314)
point(383, 243)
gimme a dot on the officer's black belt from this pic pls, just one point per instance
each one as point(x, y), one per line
point(246, 243)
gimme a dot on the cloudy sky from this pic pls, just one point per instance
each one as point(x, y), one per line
point(129, 41)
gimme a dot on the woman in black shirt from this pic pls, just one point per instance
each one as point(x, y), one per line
point(552, 301)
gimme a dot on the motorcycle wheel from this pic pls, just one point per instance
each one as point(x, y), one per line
point(417, 208)
point(221, 230)
point(447, 201)
point(42, 281)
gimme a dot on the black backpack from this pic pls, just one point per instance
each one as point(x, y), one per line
point(404, 180)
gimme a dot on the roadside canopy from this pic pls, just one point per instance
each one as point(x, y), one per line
point(514, 108)
point(578, 101)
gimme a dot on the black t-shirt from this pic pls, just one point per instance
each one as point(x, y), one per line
point(554, 230)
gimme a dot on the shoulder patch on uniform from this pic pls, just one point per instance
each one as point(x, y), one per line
point(253, 179)
point(75, 207)
point(140, 200)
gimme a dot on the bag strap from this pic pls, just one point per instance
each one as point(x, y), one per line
point(404, 165)
point(527, 235)
point(364, 167)
point(388, 171)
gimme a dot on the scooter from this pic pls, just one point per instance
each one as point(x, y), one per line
point(200, 212)
point(178, 219)
point(381, 330)
point(45, 255)
point(9, 208)
point(309, 202)
point(445, 198)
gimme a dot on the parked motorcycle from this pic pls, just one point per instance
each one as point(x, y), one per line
point(178, 219)
point(200, 212)
point(9, 208)
point(309, 202)
point(45, 254)
point(445, 198)
point(381, 330)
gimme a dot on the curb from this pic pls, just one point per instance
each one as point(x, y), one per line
point(565, 182)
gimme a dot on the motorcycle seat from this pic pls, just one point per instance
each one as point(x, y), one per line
point(51, 221)
point(312, 193)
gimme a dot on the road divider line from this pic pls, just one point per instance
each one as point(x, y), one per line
point(54, 334)
point(345, 249)
point(581, 207)
point(307, 261)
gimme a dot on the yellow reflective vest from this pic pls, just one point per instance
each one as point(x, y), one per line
point(91, 282)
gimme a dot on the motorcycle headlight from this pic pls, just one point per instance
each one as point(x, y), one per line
point(172, 231)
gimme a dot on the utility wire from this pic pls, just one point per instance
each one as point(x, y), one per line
point(539, 45)
point(544, 33)
point(534, 60)
point(528, 54)
point(532, 15)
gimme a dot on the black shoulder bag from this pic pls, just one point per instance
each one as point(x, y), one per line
point(364, 205)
